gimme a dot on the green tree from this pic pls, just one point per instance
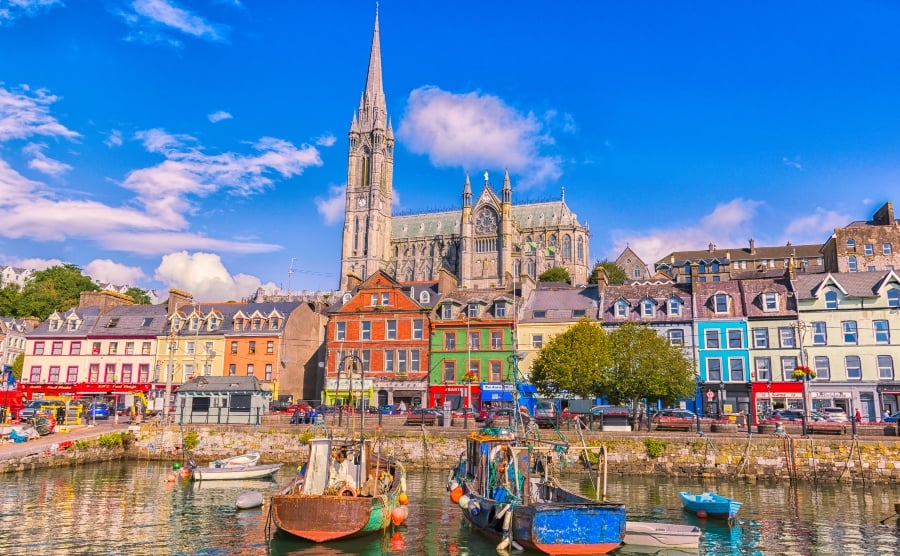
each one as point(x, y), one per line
point(614, 273)
point(645, 365)
point(556, 274)
point(140, 297)
point(9, 301)
point(573, 362)
point(18, 364)
point(57, 288)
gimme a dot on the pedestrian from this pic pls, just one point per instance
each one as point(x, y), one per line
point(402, 407)
point(741, 419)
point(295, 418)
point(312, 415)
point(858, 416)
point(887, 413)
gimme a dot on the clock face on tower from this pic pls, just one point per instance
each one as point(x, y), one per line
point(361, 202)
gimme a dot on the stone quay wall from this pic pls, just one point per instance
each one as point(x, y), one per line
point(725, 456)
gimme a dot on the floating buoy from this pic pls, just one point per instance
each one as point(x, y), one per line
point(185, 472)
point(403, 499)
point(176, 466)
point(464, 502)
point(456, 494)
point(397, 541)
point(701, 514)
point(170, 478)
point(398, 515)
point(249, 499)
point(474, 507)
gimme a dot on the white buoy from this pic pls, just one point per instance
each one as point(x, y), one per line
point(249, 499)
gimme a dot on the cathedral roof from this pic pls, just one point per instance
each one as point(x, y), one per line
point(546, 214)
point(425, 225)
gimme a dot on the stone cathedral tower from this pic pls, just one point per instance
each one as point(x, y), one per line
point(367, 218)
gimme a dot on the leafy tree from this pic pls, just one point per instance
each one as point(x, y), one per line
point(9, 300)
point(140, 297)
point(614, 273)
point(573, 362)
point(57, 288)
point(18, 364)
point(646, 365)
point(556, 274)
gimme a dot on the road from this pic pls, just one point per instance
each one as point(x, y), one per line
point(10, 450)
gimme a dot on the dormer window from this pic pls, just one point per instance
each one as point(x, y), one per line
point(54, 324)
point(674, 307)
point(424, 298)
point(446, 311)
point(500, 309)
point(831, 299)
point(720, 303)
point(347, 297)
point(648, 308)
point(472, 310)
point(195, 323)
point(214, 323)
point(770, 301)
point(621, 308)
point(893, 296)
point(73, 324)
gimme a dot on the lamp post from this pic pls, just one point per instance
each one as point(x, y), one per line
point(468, 378)
point(357, 361)
point(721, 405)
point(514, 359)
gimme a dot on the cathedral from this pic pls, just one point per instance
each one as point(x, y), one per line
point(488, 243)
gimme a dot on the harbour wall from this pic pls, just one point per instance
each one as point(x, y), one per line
point(751, 458)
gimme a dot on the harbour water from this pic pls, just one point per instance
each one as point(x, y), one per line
point(129, 508)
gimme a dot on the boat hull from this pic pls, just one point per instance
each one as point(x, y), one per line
point(711, 504)
point(322, 518)
point(234, 473)
point(662, 535)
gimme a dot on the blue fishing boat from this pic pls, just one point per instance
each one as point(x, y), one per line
point(711, 504)
point(505, 490)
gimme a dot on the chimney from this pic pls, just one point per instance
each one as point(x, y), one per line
point(752, 246)
point(790, 272)
point(695, 273)
point(885, 215)
point(104, 299)
point(447, 281)
point(712, 247)
point(353, 280)
point(177, 298)
point(602, 278)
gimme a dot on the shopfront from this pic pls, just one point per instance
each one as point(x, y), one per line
point(348, 391)
point(455, 395)
point(771, 396)
point(392, 392)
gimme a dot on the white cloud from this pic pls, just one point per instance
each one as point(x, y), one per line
point(477, 131)
point(332, 207)
point(12, 9)
point(114, 139)
point(218, 116)
point(792, 162)
point(815, 227)
point(38, 264)
point(41, 162)
point(26, 113)
point(105, 270)
point(728, 225)
point(204, 275)
point(326, 140)
point(150, 20)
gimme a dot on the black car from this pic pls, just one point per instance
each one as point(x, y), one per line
point(674, 413)
point(425, 416)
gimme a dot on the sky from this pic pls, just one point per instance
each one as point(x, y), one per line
point(203, 145)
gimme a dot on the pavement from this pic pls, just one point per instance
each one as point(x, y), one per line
point(63, 433)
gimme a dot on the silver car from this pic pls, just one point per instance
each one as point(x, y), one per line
point(834, 414)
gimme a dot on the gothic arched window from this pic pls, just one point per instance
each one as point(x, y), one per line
point(580, 249)
point(567, 247)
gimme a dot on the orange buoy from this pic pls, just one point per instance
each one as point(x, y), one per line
point(403, 499)
point(456, 494)
point(398, 515)
point(701, 514)
point(397, 541)
point(170, 478)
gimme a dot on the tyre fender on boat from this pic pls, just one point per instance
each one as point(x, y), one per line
point(346, 490)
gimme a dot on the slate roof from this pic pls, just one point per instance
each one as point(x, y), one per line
point(661, 292)
point(740, 253)
point(128, 321)
point(753, 303)
point(560, 304)
point(703, 295)
point(88, 316)
point(222, 384)
point(856, 284)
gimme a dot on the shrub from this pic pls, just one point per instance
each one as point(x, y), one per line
point(654, 447)
point(190, 440)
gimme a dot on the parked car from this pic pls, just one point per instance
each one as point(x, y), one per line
point(38, 407)
point(893, 418)
point(494, 415)
point(462, 412)
point(97, 411)
point(674, 413)
point(545, 414)
point(425, 416)
point(834, 414)
point(387, 409)
point(786, 415)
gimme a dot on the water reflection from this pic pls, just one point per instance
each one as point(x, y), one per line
point(130, 508)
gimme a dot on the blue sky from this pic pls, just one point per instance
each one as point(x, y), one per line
point(202, 145)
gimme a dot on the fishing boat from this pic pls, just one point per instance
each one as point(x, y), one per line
point(505, 490)
point(661, 535)
point(710, 504)
point(233, 473)
point(244, 460)
point(346, 489)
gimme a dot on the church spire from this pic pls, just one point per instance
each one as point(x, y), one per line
point(507, 188)
point(467, 193)
point(373, 103)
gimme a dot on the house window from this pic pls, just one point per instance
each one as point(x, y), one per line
point(190, 348)
point(424, 298)
point(496, 371)
point(713, 369)
point(95, 348)
point(234, 347)
point(720, 303)
point(144, 372)
point(496, 339)
point(72, 374)
point(850, 332)
point(340, 331)
point(126, 372)
point(417, 329)
point(823, 367)
point(674, 307)
point(385, 298)
point(38, 348)
point(366, 356)
point(449, 371)
point(449, 341)
point(761, 338)
point(820, 333)
point(885, 367)
point(401, 361)
point(853, 366)
point(413, 360)
point(887, 249)
point(851, 244)
point(391, 330)
point(537, 341)
point(578, 313)
point(770, 302)
point(270, 347)
point(500, 309)
point(446, 311)
point(232, 370)
point(251, 348)
point(365, 330)
point(786, 334)
point(647, 308)
point(472, 310)
point(268, 372)
point(145, 348)
point(374, 300)
point(35, 375)
point(250, 368)
point(109, 374)
point(712, 339)
point(893, 296)
point(475, 367)
point(852, 265)
point(54, 374)
point(94, 373)
point(188, 371)
point(676, 337)
point(388, 360)
point(763, 368)
point(540, 314)
point(736, 368)
point(831, 300)
point(56, 348)
point(882, 331)
point(869, 249)
point(870, 268)
point(113, 348)
point(621, 308)
point(475, 340)
point(75, 348)
point(788, 364)
point(735, 339)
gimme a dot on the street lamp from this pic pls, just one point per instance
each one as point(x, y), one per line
point(721, 405)
point(170, 370)
point(468, 378)
point(357, 362)
point(514, 359)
